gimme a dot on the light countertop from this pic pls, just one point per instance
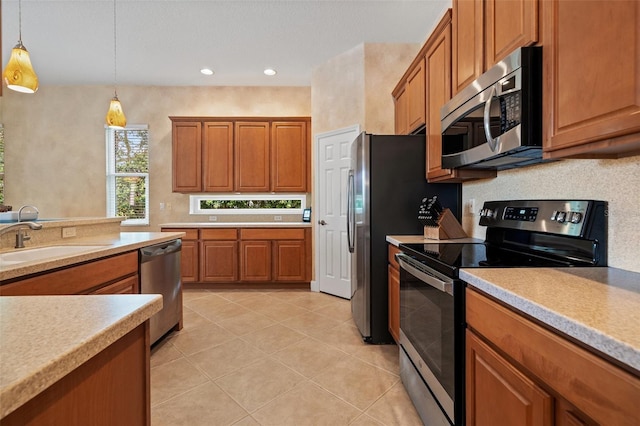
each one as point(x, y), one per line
point(110, 244)
point(396, 240)
point(44, 338)
point(236, 225)
point(599, 307)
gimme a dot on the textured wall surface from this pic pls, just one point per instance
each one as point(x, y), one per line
point(55, 140)
point(614, 181)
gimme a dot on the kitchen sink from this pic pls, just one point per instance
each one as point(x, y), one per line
point(41, 253)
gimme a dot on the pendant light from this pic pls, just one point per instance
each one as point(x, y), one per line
point(115, 115)
point(19, 74)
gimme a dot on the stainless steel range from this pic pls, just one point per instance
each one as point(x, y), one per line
point(520, 233)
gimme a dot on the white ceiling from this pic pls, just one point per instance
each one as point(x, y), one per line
point(167, 42)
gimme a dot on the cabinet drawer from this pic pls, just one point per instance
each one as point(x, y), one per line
point(76, 279)
point(601, 390)
point(272, 234)
point(392, 256)
point(219, 234)
point(128, 285)
point(192, 234)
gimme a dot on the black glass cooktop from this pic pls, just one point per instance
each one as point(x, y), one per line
point(448, 257)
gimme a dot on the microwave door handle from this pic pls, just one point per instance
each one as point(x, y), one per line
point(445, 287)
point(493, 143)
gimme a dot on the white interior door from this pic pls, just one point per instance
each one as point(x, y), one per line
point(333, 260)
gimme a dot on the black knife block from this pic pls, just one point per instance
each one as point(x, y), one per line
point(448, 228)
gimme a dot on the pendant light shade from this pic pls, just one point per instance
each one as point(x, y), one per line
point(115, 115)
point(19, 74)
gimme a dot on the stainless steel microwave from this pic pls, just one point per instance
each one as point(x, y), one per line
point(496, 122)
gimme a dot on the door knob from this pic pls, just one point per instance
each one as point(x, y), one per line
point(322, 222)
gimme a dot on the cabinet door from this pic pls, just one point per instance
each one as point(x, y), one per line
point(591, 80)
point(400, 103)
point(394, 302)
point(189, 261)
point(252, 156)
point(508, 25)
point(187, 156)
point(217, 157)
point(219, 261)
point(129, 285)
point(289, 261)
point(438, 91)
point(467, 42)
point(255, 260)
point(498, 394)
point(289, 149)
point(416, 98)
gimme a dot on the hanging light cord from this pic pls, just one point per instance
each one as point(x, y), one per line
point(20, 21)
point(115, 72)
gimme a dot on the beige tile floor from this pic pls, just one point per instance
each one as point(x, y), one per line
point(280, 357)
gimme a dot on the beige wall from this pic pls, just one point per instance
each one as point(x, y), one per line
point(355, 87)
point(614, 181)
point(55, 148)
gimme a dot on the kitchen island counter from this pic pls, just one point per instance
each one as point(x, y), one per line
point(45, 338)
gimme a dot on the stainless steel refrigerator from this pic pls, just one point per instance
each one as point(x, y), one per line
point(386, 184)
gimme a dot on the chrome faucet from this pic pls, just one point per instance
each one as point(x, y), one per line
point(21, 237)
point(24, 207)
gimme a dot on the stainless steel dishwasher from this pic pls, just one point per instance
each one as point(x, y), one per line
point(160, 274)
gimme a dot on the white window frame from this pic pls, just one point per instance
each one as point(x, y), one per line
point(194, 203)
point(111, 177)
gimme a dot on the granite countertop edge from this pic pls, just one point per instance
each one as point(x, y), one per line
point(111, 245)
point(30, 385)
point(593, 337)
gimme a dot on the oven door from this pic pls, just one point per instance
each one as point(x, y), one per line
point(430, 331)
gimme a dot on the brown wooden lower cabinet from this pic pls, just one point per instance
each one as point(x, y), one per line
point(112, 388)
point(255, 260)
point(245, 255)
point(497, 393)
point(521, 373)
point(116, 274)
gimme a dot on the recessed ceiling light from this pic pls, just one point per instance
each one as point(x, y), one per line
point(270, 71)
point(206, 71)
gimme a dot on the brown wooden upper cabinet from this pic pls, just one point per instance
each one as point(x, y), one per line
point(591, 68)
point(409, 96)
point(241, 155)
point(485, 31)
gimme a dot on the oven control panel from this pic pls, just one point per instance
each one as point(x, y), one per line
point(564, 217)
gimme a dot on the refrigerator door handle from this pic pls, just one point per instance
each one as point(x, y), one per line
point(350, 212)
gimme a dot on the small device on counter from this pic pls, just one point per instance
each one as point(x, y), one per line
point(439, 223)
point(306, 215)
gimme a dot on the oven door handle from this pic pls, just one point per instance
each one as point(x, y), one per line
point(405, 263)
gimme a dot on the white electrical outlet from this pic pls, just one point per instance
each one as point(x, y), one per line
point(277, 218)
point(69, 232)
point(213, 218)
point(161, 206)
point(471, 206)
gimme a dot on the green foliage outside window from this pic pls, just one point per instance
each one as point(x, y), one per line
point(250, 204)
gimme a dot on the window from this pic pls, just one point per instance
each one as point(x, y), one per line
point(128, 174)
point(248, 204)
